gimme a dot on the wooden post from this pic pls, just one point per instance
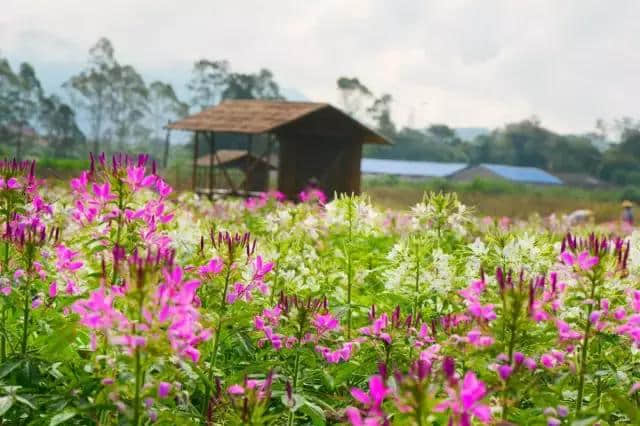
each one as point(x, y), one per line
point(195, 161)
point(248, 165)
point(212, 149)
point(165, 157)
point(269, 149)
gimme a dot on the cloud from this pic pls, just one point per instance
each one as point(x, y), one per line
point(466, 63)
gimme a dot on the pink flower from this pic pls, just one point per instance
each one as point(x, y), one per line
point(235, 390)
point(476, 338)
point(372, 400)
point(163, 389)
point(163, 188)
point(324, 323)
point(103, 192)
point(485, 312)
point(36, 303)
point(584, 260)
point(355, 418)
point(66, 259)
point(565, 332)
point(504, 371)
point(530, 363)
point(466, 403)
point(548, 361)
point(13, 183)
point(79, 184)
point(137, 179)
point(53, 289)
point(587, 261)
point(377, 329)
point(213, 267)
point(333, 357)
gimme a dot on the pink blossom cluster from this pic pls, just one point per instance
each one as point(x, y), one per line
point(244, 291)
point(313, 195)
point(169, 313)
point(255, 203)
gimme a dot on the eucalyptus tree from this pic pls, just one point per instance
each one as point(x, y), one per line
point(164, 106)
point(90, 91)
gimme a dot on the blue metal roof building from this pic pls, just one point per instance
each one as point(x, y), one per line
point(410, 168)
point(458, 171)
point(511, 173)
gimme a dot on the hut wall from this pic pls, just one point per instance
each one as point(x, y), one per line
point(258, 179)
point(334, 163)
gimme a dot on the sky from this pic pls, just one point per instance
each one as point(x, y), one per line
point(463, 63)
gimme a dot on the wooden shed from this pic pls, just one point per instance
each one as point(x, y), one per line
point(310, 141)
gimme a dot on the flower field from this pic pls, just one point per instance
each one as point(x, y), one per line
point(125, 303)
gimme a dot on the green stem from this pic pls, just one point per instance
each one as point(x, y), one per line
point(5, 272)
point(275, 279)
point(3, 338)
point(349, 278)
point(119, 229)
point(512, 342)
point(136, 407)
point(138, 363)
point(585, 350)
point(349, 295)
point(25, 325)
point(417, 287)
point(295, 383)
point(216, 341)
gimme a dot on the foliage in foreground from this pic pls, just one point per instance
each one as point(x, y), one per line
point(124, 304)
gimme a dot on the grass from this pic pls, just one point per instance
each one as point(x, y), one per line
point(496, 198)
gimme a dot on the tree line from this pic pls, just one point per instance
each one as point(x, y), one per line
point(108, 106)
point(524, 143)
point(118, 109)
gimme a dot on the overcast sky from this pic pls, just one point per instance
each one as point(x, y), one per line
point(464, 63)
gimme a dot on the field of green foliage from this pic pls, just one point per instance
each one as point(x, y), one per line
point(124, 302)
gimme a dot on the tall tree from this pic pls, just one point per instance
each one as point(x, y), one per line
point(20, 94)
point(128, 106)
point(380, 112)
point(353, 95)
point(60, 129)
point(208, 80)
point(164, 106)
point(90, 90)
point(251, 86)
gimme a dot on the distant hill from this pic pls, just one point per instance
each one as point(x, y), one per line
point(468, 134)
point(292, 94)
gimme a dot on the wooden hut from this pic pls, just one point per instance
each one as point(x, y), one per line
point(311, 141)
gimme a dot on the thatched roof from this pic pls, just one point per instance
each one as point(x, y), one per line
point(227, 158)
point(253, 116)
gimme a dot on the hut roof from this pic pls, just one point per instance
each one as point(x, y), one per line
point(228, 157)
point(410, 168)
point(252, 116)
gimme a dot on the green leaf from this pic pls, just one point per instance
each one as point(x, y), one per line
point(62, 417)
point(314, 412)
point(25, 402)
point(5, 404)
point(585, 422)
point(8, 367)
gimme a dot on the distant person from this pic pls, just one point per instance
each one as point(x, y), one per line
point(627, 214)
